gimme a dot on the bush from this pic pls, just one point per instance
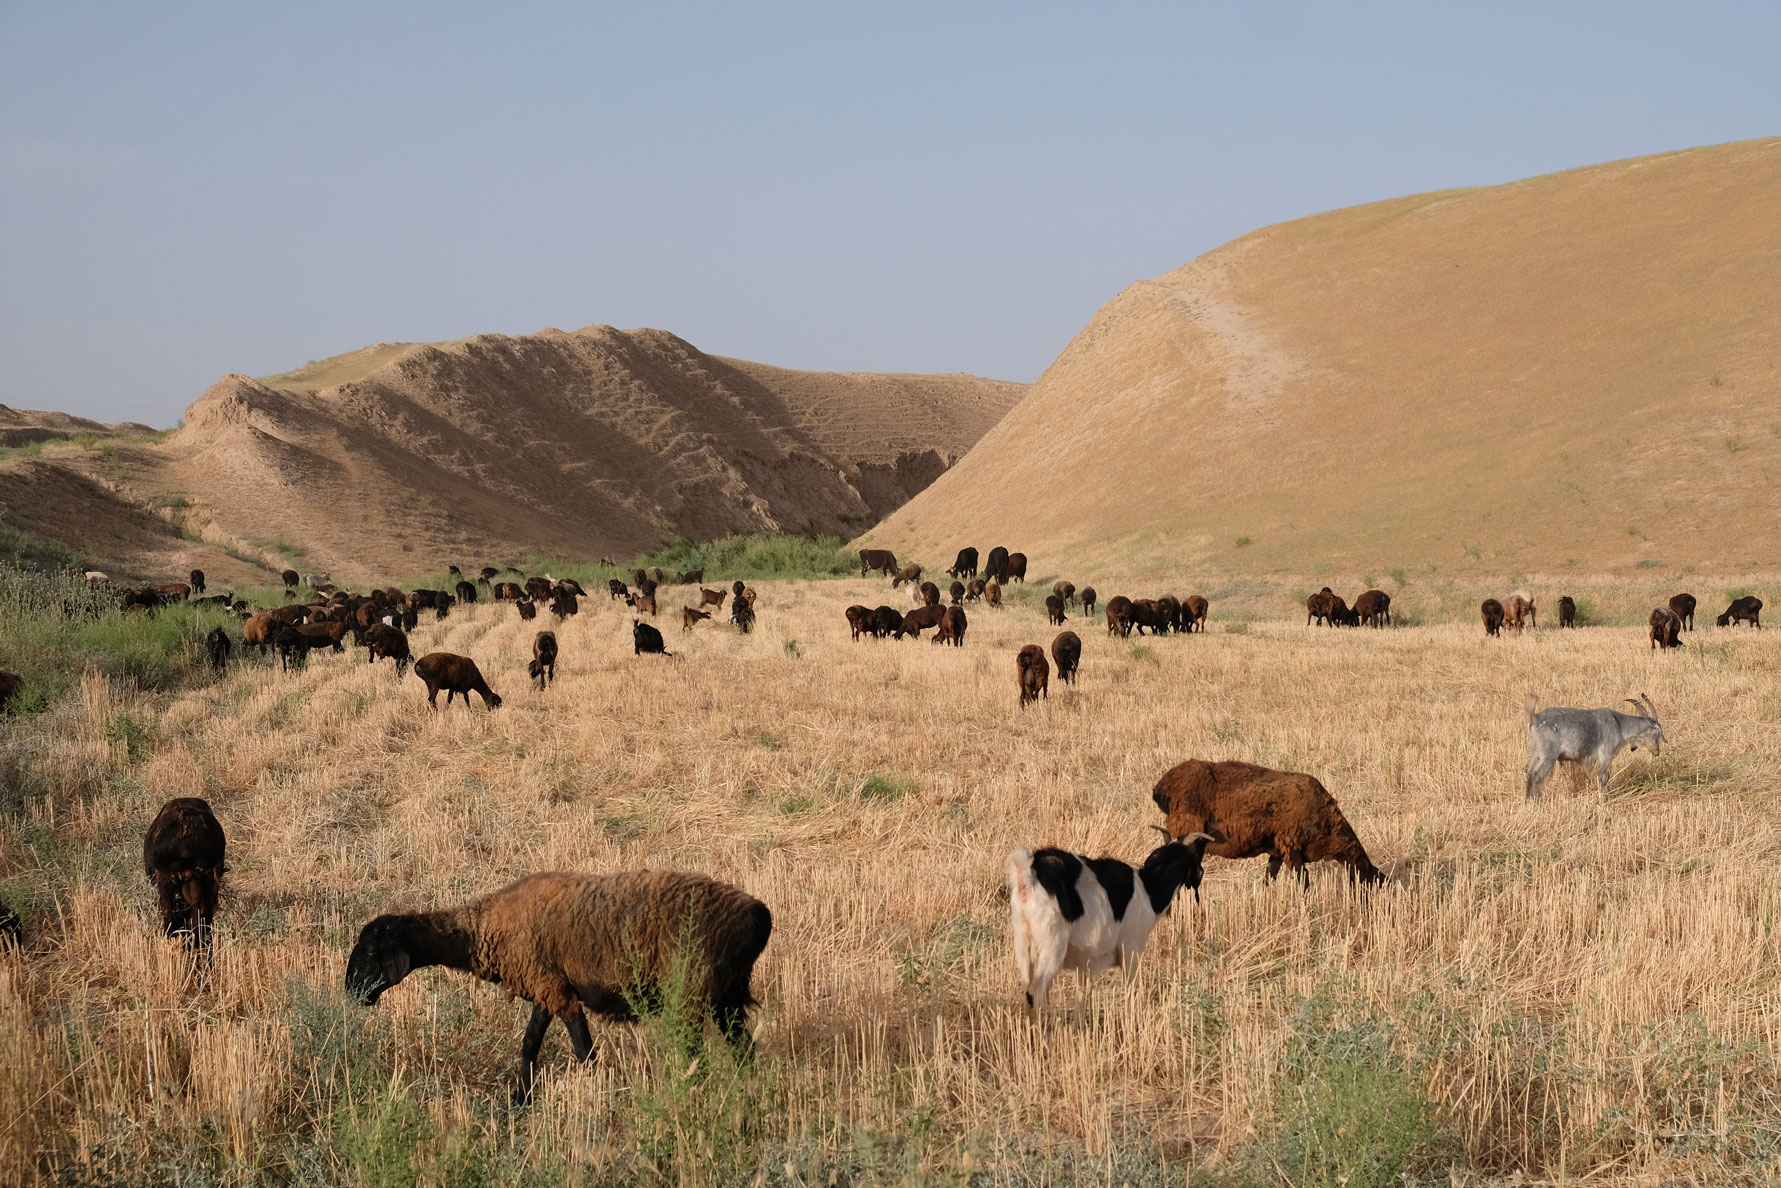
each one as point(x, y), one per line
point(758, 555)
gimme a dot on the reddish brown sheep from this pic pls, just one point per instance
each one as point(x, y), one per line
point(690, 616)
point(1747, 609)
point(182, 855)
point(877, 560)
point(1492, 610)
point(957, 592)
point(1317, 607)
point(952, 627)
point(1064, 590)
point(710, 598)
point(859, 621)
point(919, 620)
point(1017, 567)
point(909, 573)
point(1066, 653)
point(1088, 600)
point(457, 675)
point(1251, 810)
point(1119, 616)
point(1373, 608)
point(1054, 610)
point(382, 640)
point(1034, 672)
point(1193, 613)
point(543, 668)
point(992, 596)
point(1666, 628)
point(11, 685)
point(1683, 605)
point(974, 590)
point(930, 594)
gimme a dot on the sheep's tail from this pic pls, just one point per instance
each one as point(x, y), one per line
point(1020, 869)
point(1533, 706)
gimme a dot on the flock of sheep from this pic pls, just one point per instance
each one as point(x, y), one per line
point(573, 943)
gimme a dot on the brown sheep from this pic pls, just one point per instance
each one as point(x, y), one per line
point(528, 610)
point(571, 943)
point(466, 592)
point(1016, 568)
point(1683, 605)
point(952, 627)
point(173, 590)
point(538, 589)
point(1567, 611)
point(382, 640)
point(218, 646)
point(877, 560)
point(1317, 607)
point(1119, 616)
point(183, 856)
point(859, 621)
point(323, 635)
point(1666, 628)
point(749, 595)
point(1142, 613)
point(1492, 610)
point(616, 589)
point(710, 597)
point(1519, 611)
point(1066, 653)
point(1339, 614)
point(1193, 613)
point(1054, 610)
point(564, 604)
point(1251, 810)
point(260, 632)
point(690, 577)
point(457, 675)
point(689, 617)
point(887, 620)
point(1747, 609)
point(957, 593)
point(1373, 608)
point(1087, 596)
point(11, 685)
point(930, 594)
point(909, 573)
point(1034, 673)
point(919, 620)
point(992, 596)
point(510, 592)
point(543, 668)
point(1064, 590)
point(646, 640)
point(974, 589)
point(646, 603)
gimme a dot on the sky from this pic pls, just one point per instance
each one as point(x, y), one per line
point(188, 190)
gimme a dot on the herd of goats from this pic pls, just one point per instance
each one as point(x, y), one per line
point(548, 937)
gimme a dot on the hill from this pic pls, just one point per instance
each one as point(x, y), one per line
point(1577, 371)
point(404, 456)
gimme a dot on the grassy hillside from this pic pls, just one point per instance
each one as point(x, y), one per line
point(1573, 373)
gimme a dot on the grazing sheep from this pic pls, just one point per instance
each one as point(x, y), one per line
point(919, 620)
point(876, 561)
point(1560, 734)
point(292, 647)
point(690, 577)
point(1683, 605)
point(1016, 568)
point(974, 589)
point(1168, 613)
point(645, 603)
point(457, 675)
point(1492, 610)
point(570, 943)
point(565, 605)
point(909, 573)
point(1034, 674)
point(384, 641)
point(489, 573)
point(174, 590)
point(1339, 614)
point(466, 592)
point(543, 668)
point(710, 597)
point(689, 617)
point(1250, 811)
point(1747, 609)
point(197, 578)
point(930, 594)
point(1567, 611)
point(509, 592)
point(646, 589)
point(615, 589)
point(645, 638)
point(1089, 914)
point(742, 614)
point(1373, 608)
point(1142, 613)
point(887, 620)
point(1519, 611)
point(538, 589)
point(992, 596)
point(859, 621)
point(1119, 616)
point(1666, 628)
point(218, 647)
point(1064, 590)
point(1088, 601)
point(329, 635)
point(1193, 613)
point(965, 565)
point(1066, 653)
point(11, 685)
point(957, 593)
point(527, 609)
point(182, 855)
point(290, 579)
point(260, 631)
point(569, 585)
point(442, 606)
point(995, 569)
point(1054, 610)
point(952, 627)
point(1317, 607)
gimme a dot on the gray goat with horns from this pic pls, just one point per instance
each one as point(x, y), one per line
point(1586, 736)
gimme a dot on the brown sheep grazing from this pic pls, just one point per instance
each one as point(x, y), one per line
point(328, 635)
point(1034, 672)
point(1373, 608)
point(616, 589)
point(1119, 616)
point(859, 621)
point(197, 580)
point(292, 647)
point(466, 592)
point(1251, 810)
point(260, 632)
point(1747, 609)
point(11, 686)
point(457, 675)
point(1066, 653)
point(543, 668)
point(1016, 568)
point(919, 620)
point(930, 594)
point(182, 855)
point(1064, 590)
point(690, 577)
point(1519, 611)
point(569, 943)
point(510, 592)
point(689, 617)
point(887, 620)
point(646, 588)
point(1317, 607)
point(877, 561)
point(992, 595)
point(965, 565)
point(646, 603)
point(1492, 610)
point(174, 590)
point(1054, 610)
point(1683, 605)
point(1567, 611)
point(952, 627)
point(1168, 612)
point(974, 589)
point(1666, 628)
point(1193, 613)
point(217, 648)
point(749, 594)
point(290, 579)
point(710, 597)
point(1339, 613)
point(1087, 596)
point(527, 609)
point(957, 593)
point(1142, 613)
point(383, 641)
point(909, 573)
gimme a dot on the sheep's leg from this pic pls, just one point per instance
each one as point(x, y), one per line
point(1603, 770)
point(1538, 768)
point(528, 1054)
point(579, 1039)
point(1273, 867)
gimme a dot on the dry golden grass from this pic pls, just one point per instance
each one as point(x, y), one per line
point(1583, 990)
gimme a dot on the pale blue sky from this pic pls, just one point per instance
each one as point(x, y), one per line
point(193, 189)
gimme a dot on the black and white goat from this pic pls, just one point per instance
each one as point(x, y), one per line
point(1089, 914)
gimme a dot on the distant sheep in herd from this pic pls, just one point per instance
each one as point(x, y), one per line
point(1666, 628)
point(1034, 674)
point(952, 627)
point(571, 943)
point(1742, 610)
point(647, 640)
point(1066, 653)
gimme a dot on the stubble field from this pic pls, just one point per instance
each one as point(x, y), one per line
point(1566, 991)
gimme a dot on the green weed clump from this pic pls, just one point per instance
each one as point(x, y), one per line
point(759, 555)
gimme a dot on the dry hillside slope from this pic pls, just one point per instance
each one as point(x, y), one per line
point(1573, 370)
point(408, 455)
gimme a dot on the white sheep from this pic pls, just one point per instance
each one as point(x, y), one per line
point(1088, 914)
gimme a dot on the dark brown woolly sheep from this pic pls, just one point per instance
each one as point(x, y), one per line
point(737, 588)
point(1666, 628)
point(1193, 613)
point(1064, 590)
point(572, 943)
point(11, 685)
point(384, 641)
point(217, 646)
point(1567, 611)
point(919, 620)
point(974, 589)
point(1683, 605)
point(689, 617)
point(1054, 610)
point(1168, 612)
point(527, 609)
point(1339, 614)
point(930, 594)
point(952, 627)
point(197, 578)
point(182, 855)
point(645, 603)
point(570, 585)
point(489, 573)
point(690, 577)
point(466, 592)
point(1317, 607)
point(742, 613)
point(992, 596)
point(1250, 811)
point(710, 597)
point(457, 675)
point(1087, 595)
point(957, 593)
point(290, 579)
point(887, 620)
point(509, 592)
point(1016, 568)
point(565, 605)
point(1492, 610)
point(859, 621)
point(965, 565)
point(616, 589)
point(645, 638)
point(1142, 613)
point(1119, 616)
point(1066, 653)
point(538, 589)
point(1034, 674)
point(323, 635)
point(1747, 609)
point(292, 647)
point(909, 573)
point(877, 561)
point(1373, 608)
point(543, 668)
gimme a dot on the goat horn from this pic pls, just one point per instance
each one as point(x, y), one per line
point(1193, 837)
point(1167, 836)
point(1651, 710)
point(1634, 704)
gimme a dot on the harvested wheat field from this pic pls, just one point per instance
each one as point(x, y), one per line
point(1569, 991)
